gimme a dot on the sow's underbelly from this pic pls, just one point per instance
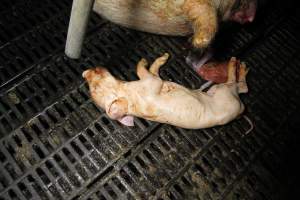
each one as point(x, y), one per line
point(154, 16)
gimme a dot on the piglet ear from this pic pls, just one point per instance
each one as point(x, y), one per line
point(127, 120)
point(118, 108)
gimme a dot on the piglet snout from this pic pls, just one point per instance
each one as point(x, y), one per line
point(85, 73)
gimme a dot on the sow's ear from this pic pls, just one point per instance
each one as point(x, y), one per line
point(118, 108)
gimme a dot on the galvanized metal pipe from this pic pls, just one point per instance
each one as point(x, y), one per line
point(77, 27)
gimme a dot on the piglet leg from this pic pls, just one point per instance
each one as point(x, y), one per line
point(242, 84)
point(232, 70)
point(141, 69)
point(154, 68)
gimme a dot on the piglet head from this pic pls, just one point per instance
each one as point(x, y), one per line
point(103, 86)
point(245, 12)
point(105, 90)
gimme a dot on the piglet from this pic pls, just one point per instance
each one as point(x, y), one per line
point(154, 99)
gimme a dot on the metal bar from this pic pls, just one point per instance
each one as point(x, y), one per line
point(77, 27)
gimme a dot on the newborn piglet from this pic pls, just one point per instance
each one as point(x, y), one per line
point(162, 101)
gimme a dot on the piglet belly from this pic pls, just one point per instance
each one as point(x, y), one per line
point(183, 111)
point(160, 17)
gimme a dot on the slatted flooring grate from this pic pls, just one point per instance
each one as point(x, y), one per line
point(55, 143)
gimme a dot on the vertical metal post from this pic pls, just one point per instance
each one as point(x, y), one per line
point(77, 27)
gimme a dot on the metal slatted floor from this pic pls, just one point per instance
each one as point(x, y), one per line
point(56, 144)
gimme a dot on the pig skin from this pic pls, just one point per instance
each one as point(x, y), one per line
point(153, 99)
point(154, 16)
point(176, 17)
